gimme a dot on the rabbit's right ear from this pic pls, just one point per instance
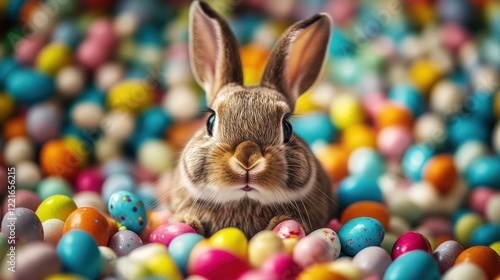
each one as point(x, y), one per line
point(213, 50)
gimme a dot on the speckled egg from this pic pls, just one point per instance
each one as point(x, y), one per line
point(410, 241)
point(372, 260)
point(91, 221)
point(22, 225)
point(331, 238)
point(446, 254)
point(360, 233)
point(289, 228)
point(164, 234)
point(311, 250)
point(53, 231)
point(124, 241)
point(128, 210)
point(79, 254)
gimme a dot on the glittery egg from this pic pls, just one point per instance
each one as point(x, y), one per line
point(331, 238)
point(360, 233)
point(410, 241)
point(124, 241)
point(88, 219)
point(128, 210)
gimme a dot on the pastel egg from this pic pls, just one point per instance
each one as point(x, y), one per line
point(36, 261)
point(91, 221)
point(79, 254)
point(429, 128)
point(52, 231)
point(115, 183)
point(366, 161)
point(28, 86)
point(53, 186)
point(468, 152)
point(465, 270)
point(90, 199)
point(311, 250)
point(492, 210)
point(124, 241)
point(257, 275)
point(164, 234)
point(108, 257)
point(331, 238)
point(147, 251)
point(360, 233)
point(373, 260)
point(180, 249)
point(418, 264)
point(128, 269)
point(465, 226)
point(478, 199)
point(446, 254)
point(56, 207)
point(90, 54)
point(353, 189)
point(28, 48)
point(24, 198)
point(263, 245)
point(314, 127)
point(467, 128)
point(230, 239)
point(370, 209)
point(156, 165)
point(87, 115)
point(289, 228)
point(28, 175)
point(18, 149)
point(281, 265)
point(484, 257)
point(410, 241)
point(346, 110)
point(128, 210)
point(217, 264)
point(22, 225)
point(44, 122)
point(70, 82)
point(319, 271)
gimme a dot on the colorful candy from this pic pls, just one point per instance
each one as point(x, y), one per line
point(91, 221)
point(79, 254)
point(359, 233)
point(128, 210)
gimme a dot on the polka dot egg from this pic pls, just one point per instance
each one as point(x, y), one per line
point(128, 210)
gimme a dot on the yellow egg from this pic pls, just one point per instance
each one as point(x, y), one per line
point(263, 245)
point(162, 265)
point(319, 271)
point(289, 244)
point(424, 73)
point(7, 107)
point(53, 57)
point(64, 276)
point(346, 111)
point(80, 149)
point(230, 239)
point(346, 268)
point(496, 247)
point(55, 207)
point(306, 104)
point(251, 76)
point(358, 136)
point(131, 96)
point(465, 227)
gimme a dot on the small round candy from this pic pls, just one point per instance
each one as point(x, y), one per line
point(22, 225)
point(281, 265)
point(492, 210)
point(180, 249)
point(366, 161)
point(79, 254)
point(360, 233)
point(90, 180)
point(91, 221)
point(90, 199)
point(263, 245)
point(414, 160)
point(182, 102)
point(485, 235)
point(465, 270)
point(446, 98)
point(57, 159)
point(53, 231)
point(108, 75)
point(156, 165)
point(124, 241)
point(331, 238)
point(394, 115)
point(87, 115)
point(56, 207)
point(35, 261)
point(482, 256)
point(468, 152)
point(353, 189)
point(117, 182)
point(357, 136)
point(334, 159)
point(52, 186)
point(128, 210)
point(18, 149)
point(372, 260)
point(43, 122)
point(289, 228)
point(346, 110)
point(484, 171)
point(28, 86)
point(53, 57)
point(118, 125)
point(28, 175)
point(418, 264)
point(131, 96)
point(446, 254)
point(319, 271)
point(440, 171)
point(393, 141)
point(465, 227)
point(24, 198)
point(424, 73)
point(165, 233)
point(217, 264)
point(70, 81)
point(371, 209)
point(311, 250)
point(232, 240)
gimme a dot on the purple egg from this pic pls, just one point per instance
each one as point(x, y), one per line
point(22, 225)
point(43, 122)
point(373, 260)
point(446, 254)
point(24, 198)
point(124, 241)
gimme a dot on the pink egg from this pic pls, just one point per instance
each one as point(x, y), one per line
point(478, 199)
point(437, 226)
point(311, 250)
point(102, 30)
point(372, 260)
point(91, 55)
point(342, 11)
point(90, 180)
point(259, 275)
point(28, 48)
point(281, 265)
point(217, 265)
point(372, 103)
point(289, 228)
point(165, 233)
point(141, 175)
point(393, 141)
point(24, 198)
point(334, 225)
point(410, 241)
point(454, 36)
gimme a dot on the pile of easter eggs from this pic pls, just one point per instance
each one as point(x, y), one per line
point(97, 100)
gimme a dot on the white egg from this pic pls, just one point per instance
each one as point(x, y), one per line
point(18, 149)
point(87, 115)
point(70, 81)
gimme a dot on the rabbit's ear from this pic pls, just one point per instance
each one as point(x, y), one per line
point(297, 58)
point(213, 50)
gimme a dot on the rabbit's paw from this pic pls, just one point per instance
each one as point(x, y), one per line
point(191, 220)
point(281, 218)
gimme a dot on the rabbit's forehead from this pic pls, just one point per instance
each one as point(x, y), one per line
point(248, 101)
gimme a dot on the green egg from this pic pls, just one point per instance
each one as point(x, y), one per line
point(53, 185)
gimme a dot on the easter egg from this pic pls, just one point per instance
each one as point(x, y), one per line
point(319, 271)
point(127, 268)
point(263, 245)
point(36, 261)
point(90, 199)
point(479, 198)
point(311, 250)
point(281, 265)
point(88, 219)
point(484, 171)
point(217, 264)
point(408, 96)
point(441, 172)
point(484, 257)
point(393, 141)
point(124, 241)
point(372, 260)
point(353, 189)
point(446, 254)
point(367, 162)
point(79, 254)
point(87, 115)
point(164, 234)
point(152, 163)
point(57, 159)
point(465, 270)
point(414, 160)
point(230, 239)
point(117, 182)
point(358, 136)
point(162, 266)
point(18, 149)
point(22, 225)
point(55, 207)
point(128, 210)
point(257, 274)
point(180, 248)
point(485, 235)
point(334, 158)
point(90, 180)
point(314, 127)
point(53, 186)
point(27, 49)
point(331, 238)
point(410, 241)
point(52, 231)
point(108, 257)
point(346, 110)
point(492, 210)
point(370, 209)
point(430, 128)
point(393, 115)
point(360, 233)
point(53, 57)
point(346, 268)
point(465, 226)
point(413, 265)
point(132, 95)
point(28, 86)
point(90, 55)
point(108, 75)
point(24, 198)
point(154, 122)
point(289, 228)
point(467, 128)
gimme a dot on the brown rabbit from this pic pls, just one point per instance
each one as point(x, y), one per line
point(247, 169)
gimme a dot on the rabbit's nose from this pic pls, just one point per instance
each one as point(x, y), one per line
point(247, 155)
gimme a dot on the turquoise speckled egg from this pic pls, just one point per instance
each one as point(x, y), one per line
point(360, 233)
point(128, 210)
point(412, 266)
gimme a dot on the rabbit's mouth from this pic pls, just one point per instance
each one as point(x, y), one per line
point(247, 188)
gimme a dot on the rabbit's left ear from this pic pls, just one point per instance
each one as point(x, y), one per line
point(213, 50)
point(297, 58)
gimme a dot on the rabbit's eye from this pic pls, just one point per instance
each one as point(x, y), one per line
point(210, 123)
point(287, 130)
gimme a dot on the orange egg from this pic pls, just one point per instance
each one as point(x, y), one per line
point(15, 127)
point(91, 221)
point(442, 173)
point(29, 9)
point(358, 136)
point(157, 218)
point(334, 159)
point(394, 115)
point(180, 133)
point(113, 227)
point(484, 257)
point(497, 104)
point(57, 159)
point(370, 209)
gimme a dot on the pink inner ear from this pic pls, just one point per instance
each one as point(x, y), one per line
point(205, 48)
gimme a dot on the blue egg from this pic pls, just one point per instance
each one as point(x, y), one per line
point(482, 105)
point(486, 235)
point(314, 127)
point(92, 94)
point(414, 265)
point(68, 33)
point(146, 193)
point(341, 45)
point(359, 233)
point(408, 96)
point(79, 254)
point(490, 52)
point(117, 182)
point(6, 67)
point(14, 8)
point(414, 160)
point(180, 248)
point(346, 70)
point(467, 128)
point(128, 210)
point(484, 171)
point(28, 86)
point(366, 162)
point(358, 188)
point(154, 122)
point(117, 166)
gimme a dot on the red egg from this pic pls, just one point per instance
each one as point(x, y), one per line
point(410, 241)
point(217, 265)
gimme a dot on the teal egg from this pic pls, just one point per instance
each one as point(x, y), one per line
point(484, 171)
point(486, 235)
point(314, 127)
point(180, 248)
point(414, 160)
point(80, 254)
point(7, 65)
point(408, 96)
point(117, 182)
point(128, 210)
point(51, 186)
point(366, 162)
point(414, 265)
point(358, 188)
point(468, 128)
point(28, 86)
point(360, 233)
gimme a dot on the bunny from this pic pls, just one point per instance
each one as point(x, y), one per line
point(246, 168)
